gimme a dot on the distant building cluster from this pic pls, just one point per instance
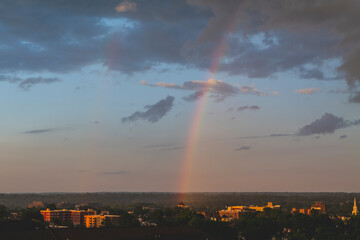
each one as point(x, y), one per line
point(233, 212)
point(317, 206)
point(90, 219)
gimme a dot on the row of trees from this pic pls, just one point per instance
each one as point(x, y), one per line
point(270, 224)
point(267, 225)
point(337, 203)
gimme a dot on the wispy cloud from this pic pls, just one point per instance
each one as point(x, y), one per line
point(153, 113)
point(164, 147)
point(40, 131)
point(219, 89)
point(27, 83)
point(115, 173)
point(242, 148)
point(158, 146)
point(343, 136)
point(173, 148)
point(254, 107)
point(268, 136)
point(327, 124)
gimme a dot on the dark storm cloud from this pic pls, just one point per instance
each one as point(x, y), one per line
point(37, 36)
point(283, 47)
point(263, 37)
point(27, 83)
point(40, 131)
point(328, 123)
point(153, 113)
point(335, 20)
point(242, 148)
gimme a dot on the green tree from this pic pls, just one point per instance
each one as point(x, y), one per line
point(4, 212)
point(29, 214)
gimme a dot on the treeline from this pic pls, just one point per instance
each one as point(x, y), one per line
point(337, 203)
point(269, 225)
point(266, 225)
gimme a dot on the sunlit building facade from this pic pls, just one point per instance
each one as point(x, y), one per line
point(233, 212)
point(96, 221)
point(66, 217)
point(355, 210)
point(317, 206)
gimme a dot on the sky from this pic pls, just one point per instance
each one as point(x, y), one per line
point(179, 96)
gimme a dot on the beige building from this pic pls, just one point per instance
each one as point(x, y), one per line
point(95, 221)
point(233, 212)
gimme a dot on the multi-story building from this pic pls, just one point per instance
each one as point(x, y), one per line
point(95, 221)
point(77, 216)
point(233, 212)
point(65, 217)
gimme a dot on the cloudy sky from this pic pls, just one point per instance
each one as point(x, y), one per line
point(181, 95)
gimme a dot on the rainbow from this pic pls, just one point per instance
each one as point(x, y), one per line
point(198, 115)
point(197, 119)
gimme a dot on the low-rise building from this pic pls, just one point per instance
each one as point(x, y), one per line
point(36, 204)
point(95, 221)
point(317, 206)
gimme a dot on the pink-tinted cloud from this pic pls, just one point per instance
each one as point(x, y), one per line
point(308, 90)
point(126, 6)
point(219, 88)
